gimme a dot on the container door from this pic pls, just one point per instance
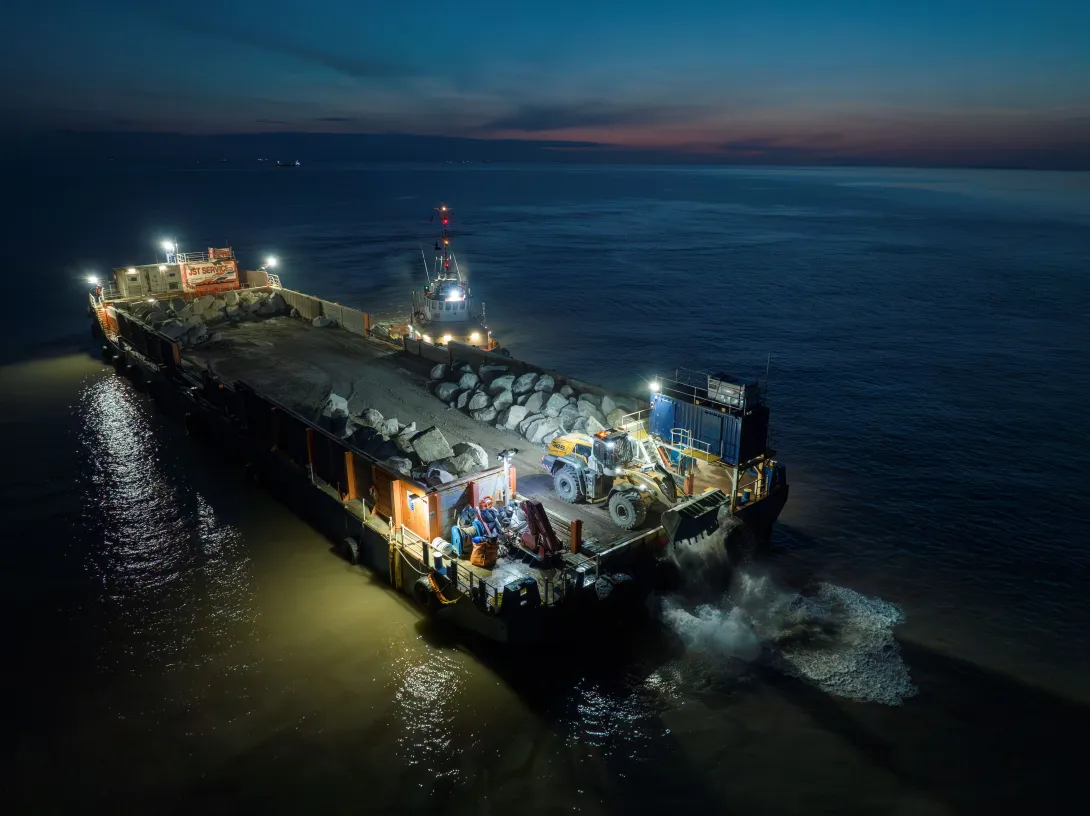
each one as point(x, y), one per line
point(711, 431)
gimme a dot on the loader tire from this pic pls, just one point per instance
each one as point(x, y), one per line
point(627, 511)
point(566, 484)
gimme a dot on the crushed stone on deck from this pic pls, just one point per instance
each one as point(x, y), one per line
point(299, 365)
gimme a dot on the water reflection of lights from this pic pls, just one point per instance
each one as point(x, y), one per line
point(171, 571)
point(428, 701)
point(617, 720)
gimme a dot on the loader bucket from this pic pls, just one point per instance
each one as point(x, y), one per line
point(694, 518)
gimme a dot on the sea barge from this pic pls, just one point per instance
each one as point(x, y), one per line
point(441, 465)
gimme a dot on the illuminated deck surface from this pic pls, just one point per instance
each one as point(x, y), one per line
point(298, 365)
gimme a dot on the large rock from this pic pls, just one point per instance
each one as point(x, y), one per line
point(372, 418)
point(473, 450)
point(488, 373)
point(589, 410)
point(174, 329)
point(592, 399)
point(463, 400)
point(607, 405)
point(230, 298)
point(391, 427)
point(544, 383)
point(627, 403)
point(176, 304)
point(320, 322)
point(446, 391)
point(468, 381)
point(485, 414)
point(479, 401)
point(404, 440)
point(439, 371)
point(528, 420)
point(567, 391)
point(543, 428)
point(430, 445)
point(511, 417)
point(554, 405)
point(593, 425)
point(503, 383)
point(529, 427)
point(463, 464)
point(204, 302)
point(549, 437)
point(503, 400)
point(277, 303)
point(535, 403)
point(586, 406)
point(567, 418)
point(400, 464)
point(615, 416)
point(335, 406)
point(233, 313)
point(439, 476)
point(524, 384)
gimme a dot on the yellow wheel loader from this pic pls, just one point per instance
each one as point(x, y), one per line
point(608, 468)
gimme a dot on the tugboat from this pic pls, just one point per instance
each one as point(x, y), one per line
point(446, 311)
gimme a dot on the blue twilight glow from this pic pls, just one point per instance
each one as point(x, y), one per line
point(781, 80)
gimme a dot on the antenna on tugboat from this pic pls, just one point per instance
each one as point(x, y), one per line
point(427, 272)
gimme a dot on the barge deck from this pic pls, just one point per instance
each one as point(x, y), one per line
point(298, 366)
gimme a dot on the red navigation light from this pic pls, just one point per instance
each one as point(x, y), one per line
point(446, 220)
point(447, 264)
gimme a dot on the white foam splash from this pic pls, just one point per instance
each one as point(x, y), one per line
point(863, 661)
point(836, 639)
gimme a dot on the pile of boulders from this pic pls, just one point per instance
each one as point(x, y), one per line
point(188, 322)
point(424, 455)
point(534, 405)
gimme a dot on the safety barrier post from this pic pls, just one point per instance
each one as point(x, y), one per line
point(366, 324)
point(576, 534)
point(350, 472)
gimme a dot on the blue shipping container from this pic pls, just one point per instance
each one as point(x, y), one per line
point(731, 437)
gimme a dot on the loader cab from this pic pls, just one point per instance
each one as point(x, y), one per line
point(613, 449)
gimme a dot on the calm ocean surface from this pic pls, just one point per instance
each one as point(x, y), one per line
point(178, 640)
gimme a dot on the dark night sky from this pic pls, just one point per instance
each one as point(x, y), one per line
point(909, 82)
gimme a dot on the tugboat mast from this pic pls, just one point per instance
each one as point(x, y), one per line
point(442, 247)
